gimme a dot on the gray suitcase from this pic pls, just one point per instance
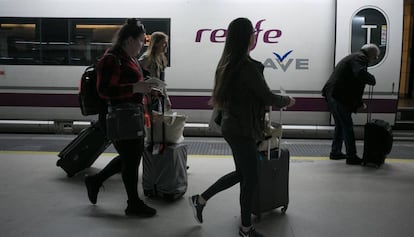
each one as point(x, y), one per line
point(165, 174)
point(272, 190)
point(164, 171)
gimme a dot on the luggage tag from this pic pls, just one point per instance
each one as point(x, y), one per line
point(156, 149)
point(259, 156)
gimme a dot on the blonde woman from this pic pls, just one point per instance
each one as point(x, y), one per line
point(154, 62)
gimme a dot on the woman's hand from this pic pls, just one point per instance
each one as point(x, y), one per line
point(292, 101)
point(143, 87)
point(363, 106)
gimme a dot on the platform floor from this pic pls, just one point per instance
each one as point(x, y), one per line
point(327, 199)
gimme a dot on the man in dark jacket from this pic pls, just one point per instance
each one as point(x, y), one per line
point(343, 92)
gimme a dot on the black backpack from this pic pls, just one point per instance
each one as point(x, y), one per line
point(89, 100)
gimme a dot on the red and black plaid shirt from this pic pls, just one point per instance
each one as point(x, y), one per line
point(117, 72)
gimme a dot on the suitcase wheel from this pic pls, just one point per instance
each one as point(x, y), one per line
point(171, 197)
point(373, 165)
point(284, 208)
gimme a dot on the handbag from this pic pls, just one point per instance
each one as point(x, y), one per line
point(173, 125)
point(125, 121)
point(215, 121)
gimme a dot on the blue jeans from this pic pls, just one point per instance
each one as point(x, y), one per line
point(344, 128)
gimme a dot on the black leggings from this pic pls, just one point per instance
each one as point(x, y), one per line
point(245, 159)
point(130, 153)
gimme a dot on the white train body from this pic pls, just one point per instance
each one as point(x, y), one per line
point(299, 42)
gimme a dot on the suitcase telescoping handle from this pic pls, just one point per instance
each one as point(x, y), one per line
point(281, 132)
point(370, 95)
point(152, 143)
point(282, 92)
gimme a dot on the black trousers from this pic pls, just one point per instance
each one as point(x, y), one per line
point(127, 162)
point(245, 160)
point(130, 153)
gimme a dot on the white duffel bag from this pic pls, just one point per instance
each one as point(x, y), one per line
point(174, 127)
point(274, 133)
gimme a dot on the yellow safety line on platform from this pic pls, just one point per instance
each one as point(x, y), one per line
point(312, 158)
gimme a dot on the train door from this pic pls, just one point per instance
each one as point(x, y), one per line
point(379, 23)
point(405, 114)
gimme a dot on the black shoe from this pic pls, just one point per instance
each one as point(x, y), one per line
point(337, 156)
point(92, 187)
point(197, 208)
point(251, 233)
point(139, 209)
point(353, 160)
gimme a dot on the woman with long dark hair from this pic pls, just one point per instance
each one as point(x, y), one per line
point(121, 80)
point(241, 95)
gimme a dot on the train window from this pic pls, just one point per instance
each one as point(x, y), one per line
point(54, 41)
point(19, 41)
point(158, 24)
point(90, 38)
point(63, 41)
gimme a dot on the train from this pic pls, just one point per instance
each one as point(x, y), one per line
point(44, 52)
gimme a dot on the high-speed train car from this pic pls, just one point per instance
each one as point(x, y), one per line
point(45, 48)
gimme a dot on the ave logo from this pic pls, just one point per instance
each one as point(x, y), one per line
point(284, 62)
point(278, 61)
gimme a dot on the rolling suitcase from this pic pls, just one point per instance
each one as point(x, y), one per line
point(378, 140)
point(82, 151)
point(272, 190)
point(165, 173)
point(164, 167)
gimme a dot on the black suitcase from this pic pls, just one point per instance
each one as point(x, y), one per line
point(378, 138)
point(272, 189)
point(165, 174)
point(82, 151)
point(378, 141)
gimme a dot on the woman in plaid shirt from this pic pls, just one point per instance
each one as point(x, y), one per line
point(120, 80)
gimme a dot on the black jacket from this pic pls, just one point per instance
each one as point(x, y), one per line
point(244, 114)
point(347, 82)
